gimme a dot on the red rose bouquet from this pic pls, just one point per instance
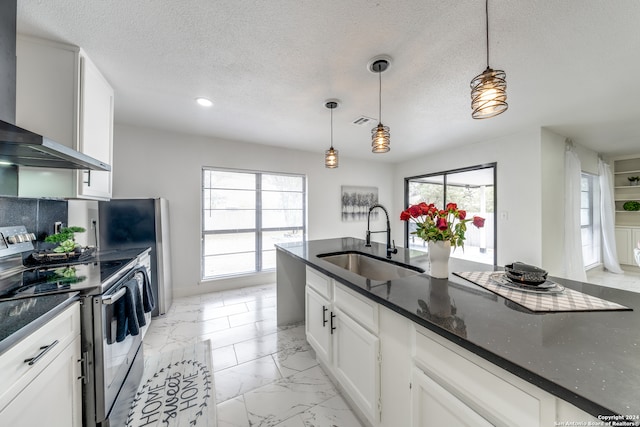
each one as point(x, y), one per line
point(433, 224)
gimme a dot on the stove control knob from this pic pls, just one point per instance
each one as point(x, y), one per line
point(32, 237)
point(19, 238)
point(12, 240)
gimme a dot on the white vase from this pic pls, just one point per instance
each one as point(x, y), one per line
point(439, 253)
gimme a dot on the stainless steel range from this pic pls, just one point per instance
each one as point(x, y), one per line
point(108, 284)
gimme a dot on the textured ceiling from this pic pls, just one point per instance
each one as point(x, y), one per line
point(571, 65)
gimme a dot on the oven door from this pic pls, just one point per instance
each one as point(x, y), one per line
point(115, 351)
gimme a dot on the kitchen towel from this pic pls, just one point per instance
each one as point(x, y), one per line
point(568, 300)
point(176, 390)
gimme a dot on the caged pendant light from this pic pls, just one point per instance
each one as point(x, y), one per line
point(380, 135)
point(489, 89)
point(331, 155)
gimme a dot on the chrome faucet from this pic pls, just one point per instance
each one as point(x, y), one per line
point(390, 249)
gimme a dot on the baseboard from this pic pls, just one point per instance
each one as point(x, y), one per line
point(225, 284)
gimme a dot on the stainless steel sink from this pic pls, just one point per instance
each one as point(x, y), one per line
point(369, 267)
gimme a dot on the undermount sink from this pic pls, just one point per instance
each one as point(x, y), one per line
point(370, 267)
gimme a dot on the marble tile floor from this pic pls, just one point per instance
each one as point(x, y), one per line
point(628, 281)
point(264, 375)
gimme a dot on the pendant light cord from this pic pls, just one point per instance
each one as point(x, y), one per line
point(331, 128)
point(380, 96)
point(487, 16)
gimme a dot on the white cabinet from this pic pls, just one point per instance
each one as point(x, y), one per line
point(341, 327)
point(356, 363)
point(433, 405)
point(62, 95)
point(42, 372)
point(627, 239)
point(317, 324)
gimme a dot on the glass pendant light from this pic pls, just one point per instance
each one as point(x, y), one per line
point(489, 89)
point(331, 155)
point(380, 135)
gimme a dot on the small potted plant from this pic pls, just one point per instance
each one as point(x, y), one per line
point(65, 239)
point(634, 180)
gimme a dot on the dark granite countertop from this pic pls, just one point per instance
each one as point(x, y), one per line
point(21, 317)
point(590, 359)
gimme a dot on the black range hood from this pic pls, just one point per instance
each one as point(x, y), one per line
point(25, 148)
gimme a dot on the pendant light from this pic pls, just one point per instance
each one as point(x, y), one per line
point(380, 136)
point(489, 89)
point(331, 155)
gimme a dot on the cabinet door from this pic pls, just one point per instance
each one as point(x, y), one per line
point(623, 245)
point(357, 364)
point(96, 129)
point(433, 405)
point(635, 246)
point(318, 324)
point(53, 398)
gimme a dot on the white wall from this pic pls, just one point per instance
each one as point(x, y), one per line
point(153, 163)
point(518, 189)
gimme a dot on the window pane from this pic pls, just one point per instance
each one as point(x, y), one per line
point(229, 199)
point(282, 182)
point(270, 238)
point(229, 220)
point(269, 260)
point(222, 265)
point(216, 244)
point(236, 180)
point(281, 200)
point(428, 190)
point(231, 203)
point(585, 217)
point(281, 218)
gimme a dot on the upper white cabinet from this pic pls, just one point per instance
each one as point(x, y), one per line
point(62, 95)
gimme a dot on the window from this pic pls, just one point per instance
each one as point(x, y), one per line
point(589, 219)
point(244, 213)
point(472, 189)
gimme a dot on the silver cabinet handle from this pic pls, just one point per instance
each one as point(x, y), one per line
point(110, 299)
point(44, 350)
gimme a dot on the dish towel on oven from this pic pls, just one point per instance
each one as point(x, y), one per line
point(147, 295)
point(130, 311)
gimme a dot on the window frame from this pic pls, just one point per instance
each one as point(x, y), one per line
point(258, 230)
point(594, 219)
point(493, 165)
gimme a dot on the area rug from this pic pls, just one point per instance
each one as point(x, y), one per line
point(176, 390)
point(566, 300)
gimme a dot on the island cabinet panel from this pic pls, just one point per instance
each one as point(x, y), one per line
point(342, 335)
point(462, 378)
point(357, 364)
point(44, 370)
point(434, 405)
point(317, 324)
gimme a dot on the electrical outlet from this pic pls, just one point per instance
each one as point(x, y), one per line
point(94, 223)
point(57, 226)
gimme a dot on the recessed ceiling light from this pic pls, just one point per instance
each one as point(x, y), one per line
point(204, 102)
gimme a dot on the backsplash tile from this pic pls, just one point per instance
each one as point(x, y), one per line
point(38, 215)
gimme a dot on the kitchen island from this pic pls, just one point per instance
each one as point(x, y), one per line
point(588, 359)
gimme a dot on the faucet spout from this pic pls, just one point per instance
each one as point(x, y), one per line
point(391, 249)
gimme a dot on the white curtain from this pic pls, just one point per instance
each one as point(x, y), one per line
point(574, 264)
point(607, 215)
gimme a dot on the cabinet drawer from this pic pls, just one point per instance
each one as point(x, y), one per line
point(15, 370)
point(319, 282)
point(483, 388)
point(361, 309)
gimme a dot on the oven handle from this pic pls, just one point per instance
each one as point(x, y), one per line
point(111, 299)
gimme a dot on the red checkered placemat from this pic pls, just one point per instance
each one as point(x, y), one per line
point(567, 300)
